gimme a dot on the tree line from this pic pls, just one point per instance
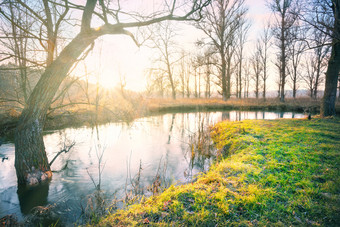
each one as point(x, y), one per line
point(293, 49)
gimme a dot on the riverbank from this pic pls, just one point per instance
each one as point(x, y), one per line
point(130, 109)
point(277, 172)
point(272, 104)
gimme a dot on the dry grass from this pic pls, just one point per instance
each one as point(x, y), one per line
point(300, 104)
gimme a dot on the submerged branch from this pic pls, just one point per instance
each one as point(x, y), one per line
point(65, 150)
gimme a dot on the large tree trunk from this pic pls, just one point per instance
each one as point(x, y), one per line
point(339, 90)
point(31, 161)
point(332, 74)
point(328, 100)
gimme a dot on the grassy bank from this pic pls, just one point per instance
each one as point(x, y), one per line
point(280, 172)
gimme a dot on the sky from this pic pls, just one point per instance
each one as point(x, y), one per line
point(116, 56)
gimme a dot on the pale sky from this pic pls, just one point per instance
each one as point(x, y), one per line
point(120, 56)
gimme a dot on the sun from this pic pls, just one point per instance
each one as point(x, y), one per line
point(115, 59)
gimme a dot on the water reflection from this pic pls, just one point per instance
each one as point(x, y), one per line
point(32, 197)
point(111, 156)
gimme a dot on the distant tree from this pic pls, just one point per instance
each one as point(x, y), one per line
point(196, 63)
point(188, 73)
point(317, 61)
point(208, 73)
point(163, 42)
point(220, 22)
point(257, 69)
point(184, 74)
point(278, 79)
point(285, 17)
point(156, 82)
point(202, 64)
point(310, 77)
point(296, 49)
point(31, 161)
point(241, 36)
point(246, 78)
point(265, 38)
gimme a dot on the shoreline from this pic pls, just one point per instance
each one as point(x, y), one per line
point(153, 106)
point(278, 172)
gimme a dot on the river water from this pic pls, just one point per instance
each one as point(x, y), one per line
point(122, 158)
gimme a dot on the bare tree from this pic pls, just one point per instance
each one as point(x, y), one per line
point(156, 82)
point(15, 45)
point(208, 73)
point(316, 62)
point(310, 73)
point(188, 73)
point(257, 69)
point(163, 41)
point(184, 74)
point(241, 36)
point(321, 54)
point(265, 38)
point(246, 78)
point(285, 17)
point(197, 62)
point(220, 22)
point(296, 50)
point(30, 157)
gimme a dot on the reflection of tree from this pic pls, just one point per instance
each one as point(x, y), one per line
point(171, 127)
point(225, 116)
point(30, 197)
point(198, 152)
point(238, 116)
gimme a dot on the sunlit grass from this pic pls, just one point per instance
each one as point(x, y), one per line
point(280, 172)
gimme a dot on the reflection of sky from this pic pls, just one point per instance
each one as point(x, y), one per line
point(158, 142)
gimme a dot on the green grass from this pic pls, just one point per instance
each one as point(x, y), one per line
point(275, 173)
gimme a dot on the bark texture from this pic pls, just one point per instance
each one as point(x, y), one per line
point(329, 98)
point(332, 74)
point(31, 161)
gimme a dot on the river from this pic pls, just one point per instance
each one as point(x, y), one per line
point(123, 159)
